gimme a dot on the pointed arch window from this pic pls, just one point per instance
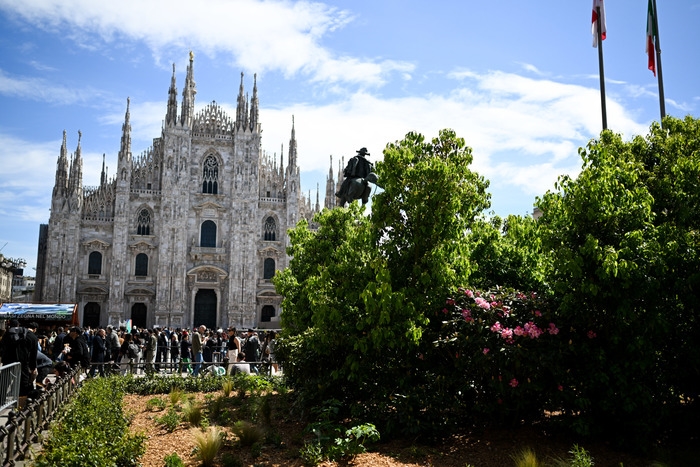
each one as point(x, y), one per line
point(270, 229)
point(95, 263)
point(208, 235)
point(141, 269)
point(144, 223)
point(268, 269)
point(210, 176)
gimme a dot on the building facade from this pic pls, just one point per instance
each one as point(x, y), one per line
point(190, 232)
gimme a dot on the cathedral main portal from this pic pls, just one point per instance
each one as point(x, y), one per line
point(205, 308)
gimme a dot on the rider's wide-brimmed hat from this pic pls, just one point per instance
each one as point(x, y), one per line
point(363, 152)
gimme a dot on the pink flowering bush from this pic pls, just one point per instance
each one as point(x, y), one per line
point(503, 349)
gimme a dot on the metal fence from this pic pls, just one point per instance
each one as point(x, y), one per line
point(23, 428)
point(9, 385)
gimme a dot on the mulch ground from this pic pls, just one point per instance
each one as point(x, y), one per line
point(489, 448)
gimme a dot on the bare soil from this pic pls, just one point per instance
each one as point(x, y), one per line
point(490, 448)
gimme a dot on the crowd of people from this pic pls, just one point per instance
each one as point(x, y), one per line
point(113, 349)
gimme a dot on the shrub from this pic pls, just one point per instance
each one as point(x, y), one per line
point(526, 458)
point(93, 430)
point(208, 445)
point(173, 460)
point(155, 403)
point(192, 412)
point(248, 433)
point(170, 421)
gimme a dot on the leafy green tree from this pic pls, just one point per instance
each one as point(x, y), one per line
point(507, 253)
point(360, 292)
point(625, 254)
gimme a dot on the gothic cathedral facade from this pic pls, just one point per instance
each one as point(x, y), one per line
point(190, 232)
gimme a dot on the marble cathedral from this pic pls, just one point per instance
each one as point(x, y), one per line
point(190, 232)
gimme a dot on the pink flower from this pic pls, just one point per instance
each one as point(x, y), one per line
point(591, 335)
point(444, 311)
point(467, 315)
point(506, 310)
point(482, 303)
point(553, 330)
point(469, 293)
point(538, 313)
point(532, 330)
point(518, 331)
point(513, 383)
point(560, 387)
point(507, 333)
point(486, 350)
point(496, 327)
point(450, 301)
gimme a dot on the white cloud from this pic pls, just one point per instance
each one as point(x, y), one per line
point(261, 35)
point(39, 89)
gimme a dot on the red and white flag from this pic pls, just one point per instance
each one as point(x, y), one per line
point(594, 21)
point(651, 38)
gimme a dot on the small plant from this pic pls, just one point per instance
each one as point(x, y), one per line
point(579, 458)
point(526, 458)
point(176, 395)
point(169, 421)
point(248, 434)
point(207, 445)
point(227, 387)
point(354, 441)
point(192, 413)
point(173, 460)
point(312, 453)
point(155, 403)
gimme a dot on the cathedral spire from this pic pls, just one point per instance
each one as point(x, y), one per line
point(292, 162)
point(240, 106)
point(254, 105)
point(281, 159)
point(318, 205)
point(125, 148)
point(171, 115)
point(61, 183)
point(188, 93)
point(75, 183)
point(103, 174)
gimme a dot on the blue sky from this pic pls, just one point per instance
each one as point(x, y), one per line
point(518, 80)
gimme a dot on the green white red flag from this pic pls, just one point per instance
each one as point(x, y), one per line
point(652, 35)
point(594, 21)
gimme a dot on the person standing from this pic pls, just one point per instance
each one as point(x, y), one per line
point(185, 353)
point(57, 349)
point(251, 348)
point(174, 350)
point(112, 345)
point(75, 349)
point(150, 351)
point(19, 344)
point(197, 349)
point(99, 349)
point(162, 351)
point(233, 345)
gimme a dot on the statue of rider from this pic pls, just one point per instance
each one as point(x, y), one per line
point(358, 167)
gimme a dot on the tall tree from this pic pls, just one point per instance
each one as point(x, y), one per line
point(626, 251)
point(360, 291)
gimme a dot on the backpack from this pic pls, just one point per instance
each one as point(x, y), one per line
point(132, 351)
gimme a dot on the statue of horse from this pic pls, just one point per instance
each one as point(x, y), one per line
point(358, 188)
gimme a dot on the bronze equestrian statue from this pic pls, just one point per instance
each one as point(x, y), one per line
point(358, 175)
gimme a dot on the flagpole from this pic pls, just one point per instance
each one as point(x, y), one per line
point(602, 71)
point(657, 46)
